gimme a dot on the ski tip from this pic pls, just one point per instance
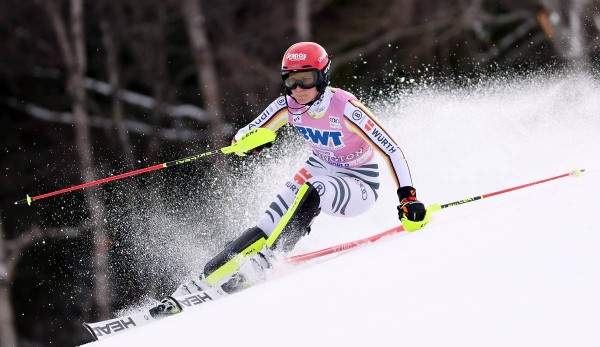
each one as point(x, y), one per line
point(91, 331)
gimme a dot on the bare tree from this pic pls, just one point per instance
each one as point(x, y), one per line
point(112, 68)
point(133, 126)
point(145, 38)
point(206, 70)
point(11, 251)
point(372, 43)
point(566, 20)
point(72, 44)
point(303, 27)
point(8, 333)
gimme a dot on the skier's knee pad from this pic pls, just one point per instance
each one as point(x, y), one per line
point(296, 222)
point(233, 255)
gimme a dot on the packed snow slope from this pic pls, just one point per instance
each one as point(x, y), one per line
point(517, 269)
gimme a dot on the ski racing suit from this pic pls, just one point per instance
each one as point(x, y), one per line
point(343, 136)
point(339, 178)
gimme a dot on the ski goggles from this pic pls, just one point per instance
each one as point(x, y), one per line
point(303, 79)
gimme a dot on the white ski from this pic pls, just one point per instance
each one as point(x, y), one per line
point(111, 327)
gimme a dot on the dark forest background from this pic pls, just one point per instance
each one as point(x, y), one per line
point(90, 89)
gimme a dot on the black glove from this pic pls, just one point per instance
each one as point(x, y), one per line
point(410, 207)
point(258, 149)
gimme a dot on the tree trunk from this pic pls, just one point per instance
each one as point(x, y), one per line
point(160, 82)
point(8, 333)
point(112, 67)
point(303, 27)
point(569, 39)
point(83, 140)
point(73, 50)
point(205, 68)
point(578, 41)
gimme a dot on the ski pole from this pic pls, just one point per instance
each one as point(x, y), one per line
point(433, 208)
point(341, 247)
point(250, 140)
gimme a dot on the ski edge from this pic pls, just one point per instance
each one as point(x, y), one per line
point(102, 330)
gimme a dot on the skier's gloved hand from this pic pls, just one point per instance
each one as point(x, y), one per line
point(411, 211)
point(253, 151)
point(258, 149)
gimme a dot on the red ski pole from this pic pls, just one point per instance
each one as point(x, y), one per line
point(341, 247)
point(433, 208)
point(250, 140)
point(576, 173)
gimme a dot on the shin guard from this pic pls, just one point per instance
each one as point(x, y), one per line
point(235, 253)
point(296, 222)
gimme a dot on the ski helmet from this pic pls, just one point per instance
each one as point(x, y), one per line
point(306, 56)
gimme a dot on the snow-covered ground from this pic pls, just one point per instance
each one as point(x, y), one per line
point(517, 269)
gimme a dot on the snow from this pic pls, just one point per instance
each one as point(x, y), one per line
point(516, 269)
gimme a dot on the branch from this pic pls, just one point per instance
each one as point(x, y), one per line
point(509, 40)
point(61, 32)
point(16, 247)
point(515, 53)
point(25, 35)
point(78, 35)
point(503, 19)
point(392, 36)
point(133, 98)
point(317, 6)
point(178, 111)
point(137, 127)
point(5, 277)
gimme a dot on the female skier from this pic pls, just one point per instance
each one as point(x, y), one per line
point(340, 177)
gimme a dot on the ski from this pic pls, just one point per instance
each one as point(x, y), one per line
point(114, 326)
point(110, 327)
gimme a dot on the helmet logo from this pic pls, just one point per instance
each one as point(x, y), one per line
point(296, 56)
point(321, 58)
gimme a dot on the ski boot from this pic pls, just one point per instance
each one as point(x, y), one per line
point(193, 286)
point(244, 260)
point(252, 271)
point(167, 307)
point(241, 264)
